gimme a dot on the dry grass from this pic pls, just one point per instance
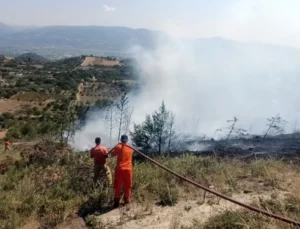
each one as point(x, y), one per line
point(32, 96)
point(52, 189)
point(288, 206)
point(13, 106)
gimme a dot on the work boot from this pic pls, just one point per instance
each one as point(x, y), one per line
point(116, 203)
point(126, 202)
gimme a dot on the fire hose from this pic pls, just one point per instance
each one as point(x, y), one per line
point(269, 214)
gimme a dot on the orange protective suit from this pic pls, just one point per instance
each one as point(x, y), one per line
point(6, 145)
point(123, 171)
point(99, 153)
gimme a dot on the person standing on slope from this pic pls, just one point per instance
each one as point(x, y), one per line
point(6, 145)
point(100, 154)
point(123, 171)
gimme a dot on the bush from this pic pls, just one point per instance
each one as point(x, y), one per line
point(99, 199)
point(8, 115)
point(13, 133)
point(94, 222)
point(168, 195)
point(28, 130)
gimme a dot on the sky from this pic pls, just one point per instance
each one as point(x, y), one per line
point(268, 21)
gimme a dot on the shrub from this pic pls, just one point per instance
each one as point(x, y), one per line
point(99, 198)
point(94, 222)
point(168, 195)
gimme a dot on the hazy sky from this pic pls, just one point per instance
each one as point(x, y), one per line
point(272, 21)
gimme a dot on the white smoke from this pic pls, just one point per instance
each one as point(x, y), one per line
point(209, 81)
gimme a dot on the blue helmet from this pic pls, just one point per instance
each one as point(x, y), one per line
point(124, 138)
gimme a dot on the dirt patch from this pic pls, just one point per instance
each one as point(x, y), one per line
point(2, 134)
point(90, 61)
point(12, 106)
point(31, 225)
point(183, 214)
point(31, 97)
point(76, 223)
point(8, 58)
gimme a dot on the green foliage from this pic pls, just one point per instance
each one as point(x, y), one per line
point(156, 132)
point(29, 129)
point(7, 115)
point(94, 222)
point(31, 58)
point(102, 103)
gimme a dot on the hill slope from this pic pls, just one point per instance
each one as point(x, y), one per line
point(5, 29)
point(31, 57)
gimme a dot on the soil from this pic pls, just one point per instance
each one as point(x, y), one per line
point(12, 106)
point(182, 214)
point(2, 134)
point(99, 61)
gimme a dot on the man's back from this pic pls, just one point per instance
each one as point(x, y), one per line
point(99, 153)
point(7, 144)
point(124, 156)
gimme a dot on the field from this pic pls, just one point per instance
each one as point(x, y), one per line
point(93, 61)
point(13, 106)
point(97, 91)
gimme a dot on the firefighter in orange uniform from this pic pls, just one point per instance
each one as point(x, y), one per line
point(123, 171)
point(6, 145)
point(100, 153)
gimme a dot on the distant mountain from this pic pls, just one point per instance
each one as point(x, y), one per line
point(81, 38)
point(31, 57)
point(56, 42)
point(5, 29)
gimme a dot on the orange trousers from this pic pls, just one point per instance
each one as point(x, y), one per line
point(123, 178)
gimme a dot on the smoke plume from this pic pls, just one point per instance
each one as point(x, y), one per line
point(208, 81)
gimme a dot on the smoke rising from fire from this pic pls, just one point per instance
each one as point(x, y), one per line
point(208, 81)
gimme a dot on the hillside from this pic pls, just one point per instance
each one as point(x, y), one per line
point(50, 186)
point(31, 57)
point(5, 29)
point(56, 42)
point(34, 91)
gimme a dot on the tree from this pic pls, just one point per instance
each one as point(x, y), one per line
point(172, 134)
point(276, 125)
point(127, 120)
point(123, 114)
point(217, 130)
point(67, 125)
point(110, 118)
point(233, 130)
point(157, 132)
point(231, 127)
